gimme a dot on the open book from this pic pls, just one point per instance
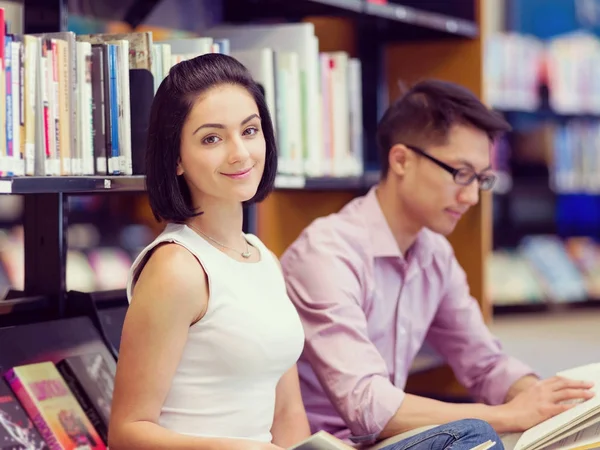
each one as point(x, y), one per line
point(325, 441)
point(575, 429)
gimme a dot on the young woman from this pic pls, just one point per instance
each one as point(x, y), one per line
point(210, 341)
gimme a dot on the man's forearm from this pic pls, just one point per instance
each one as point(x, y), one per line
point(519, 386)
point(417, 412)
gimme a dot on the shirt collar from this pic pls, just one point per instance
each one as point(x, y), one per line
point(383, 241)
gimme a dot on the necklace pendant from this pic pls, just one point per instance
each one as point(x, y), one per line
point(246, 255)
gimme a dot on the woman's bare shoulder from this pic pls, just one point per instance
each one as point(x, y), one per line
point(174, 275)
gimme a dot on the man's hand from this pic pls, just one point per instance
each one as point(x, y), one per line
point(520, 385)
point(545, 399)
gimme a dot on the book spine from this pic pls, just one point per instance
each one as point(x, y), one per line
point(114, 110)
point(9, 106)
point(83, 399)
point(33, 412)
point(21, 109)
point(107, 127)
point(98, 121)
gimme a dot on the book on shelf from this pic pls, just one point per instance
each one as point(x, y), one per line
point(66, 100)
point(577, 428)
point(17, 431)
point(50, 404)
point(91, 381)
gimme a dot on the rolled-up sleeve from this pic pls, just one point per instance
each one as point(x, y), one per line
point(459, 333)
point(328, 287)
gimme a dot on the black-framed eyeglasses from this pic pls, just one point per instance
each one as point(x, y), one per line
point(463, 176)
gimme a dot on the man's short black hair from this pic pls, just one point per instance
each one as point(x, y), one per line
point(169, 195)
point(424, 115)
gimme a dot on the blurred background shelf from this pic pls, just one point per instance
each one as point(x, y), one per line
point(402, 20)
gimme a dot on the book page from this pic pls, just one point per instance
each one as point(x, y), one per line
point(321, 441)
point(588, 438)
point(557, 425)
point(543, 444)
point(589, 372)
point(485, 446)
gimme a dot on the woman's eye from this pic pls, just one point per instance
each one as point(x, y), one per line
point(251, 131)
point(210, 140)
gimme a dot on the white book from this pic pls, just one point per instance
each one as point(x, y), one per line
point(32, 57)
point(126, 160)
point(341, 114)
point(356, 118)
point(321, 441)
point(289, 104)
point(18, 165)
point(575, 429)
point(190, 46)
point(259, 62)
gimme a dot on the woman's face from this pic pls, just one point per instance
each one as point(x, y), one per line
point(222, 154)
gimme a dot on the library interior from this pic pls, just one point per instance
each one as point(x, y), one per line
point(73, 220)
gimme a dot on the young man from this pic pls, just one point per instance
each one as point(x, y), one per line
point(377, 279)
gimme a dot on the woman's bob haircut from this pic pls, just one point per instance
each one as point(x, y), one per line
point(169, 195)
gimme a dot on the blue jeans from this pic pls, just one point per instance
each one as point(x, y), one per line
point(459, 435)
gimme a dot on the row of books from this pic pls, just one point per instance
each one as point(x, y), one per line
point(569, 65)
point(569, 149)
point(65, 104)
point(576, 159)
point(545, 268)
point(66, 100)
point(510, 86)
point(57, 406)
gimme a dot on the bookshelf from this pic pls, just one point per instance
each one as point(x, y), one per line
point(71, 185)
point(439, 41)
point(549, 204)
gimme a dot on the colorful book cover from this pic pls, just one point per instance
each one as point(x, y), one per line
point(91, 380)
point(17, 432)
point(54, 410)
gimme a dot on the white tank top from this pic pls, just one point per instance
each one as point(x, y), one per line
point(234, 356)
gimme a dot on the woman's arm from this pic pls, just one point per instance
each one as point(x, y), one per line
point(170, 295)
point(290, 424)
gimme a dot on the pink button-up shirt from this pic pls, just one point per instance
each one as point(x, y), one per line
point(366, 312)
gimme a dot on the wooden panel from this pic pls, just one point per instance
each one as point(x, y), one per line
point(334, 34)
point(284, 214)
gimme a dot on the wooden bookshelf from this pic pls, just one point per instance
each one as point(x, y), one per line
point(407, 42)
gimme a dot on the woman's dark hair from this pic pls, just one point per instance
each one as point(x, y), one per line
point(425, 114)
point(169, 195)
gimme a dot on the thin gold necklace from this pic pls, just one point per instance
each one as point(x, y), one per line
point(245, 254)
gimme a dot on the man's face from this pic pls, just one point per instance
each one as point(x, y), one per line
point(429, 193)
